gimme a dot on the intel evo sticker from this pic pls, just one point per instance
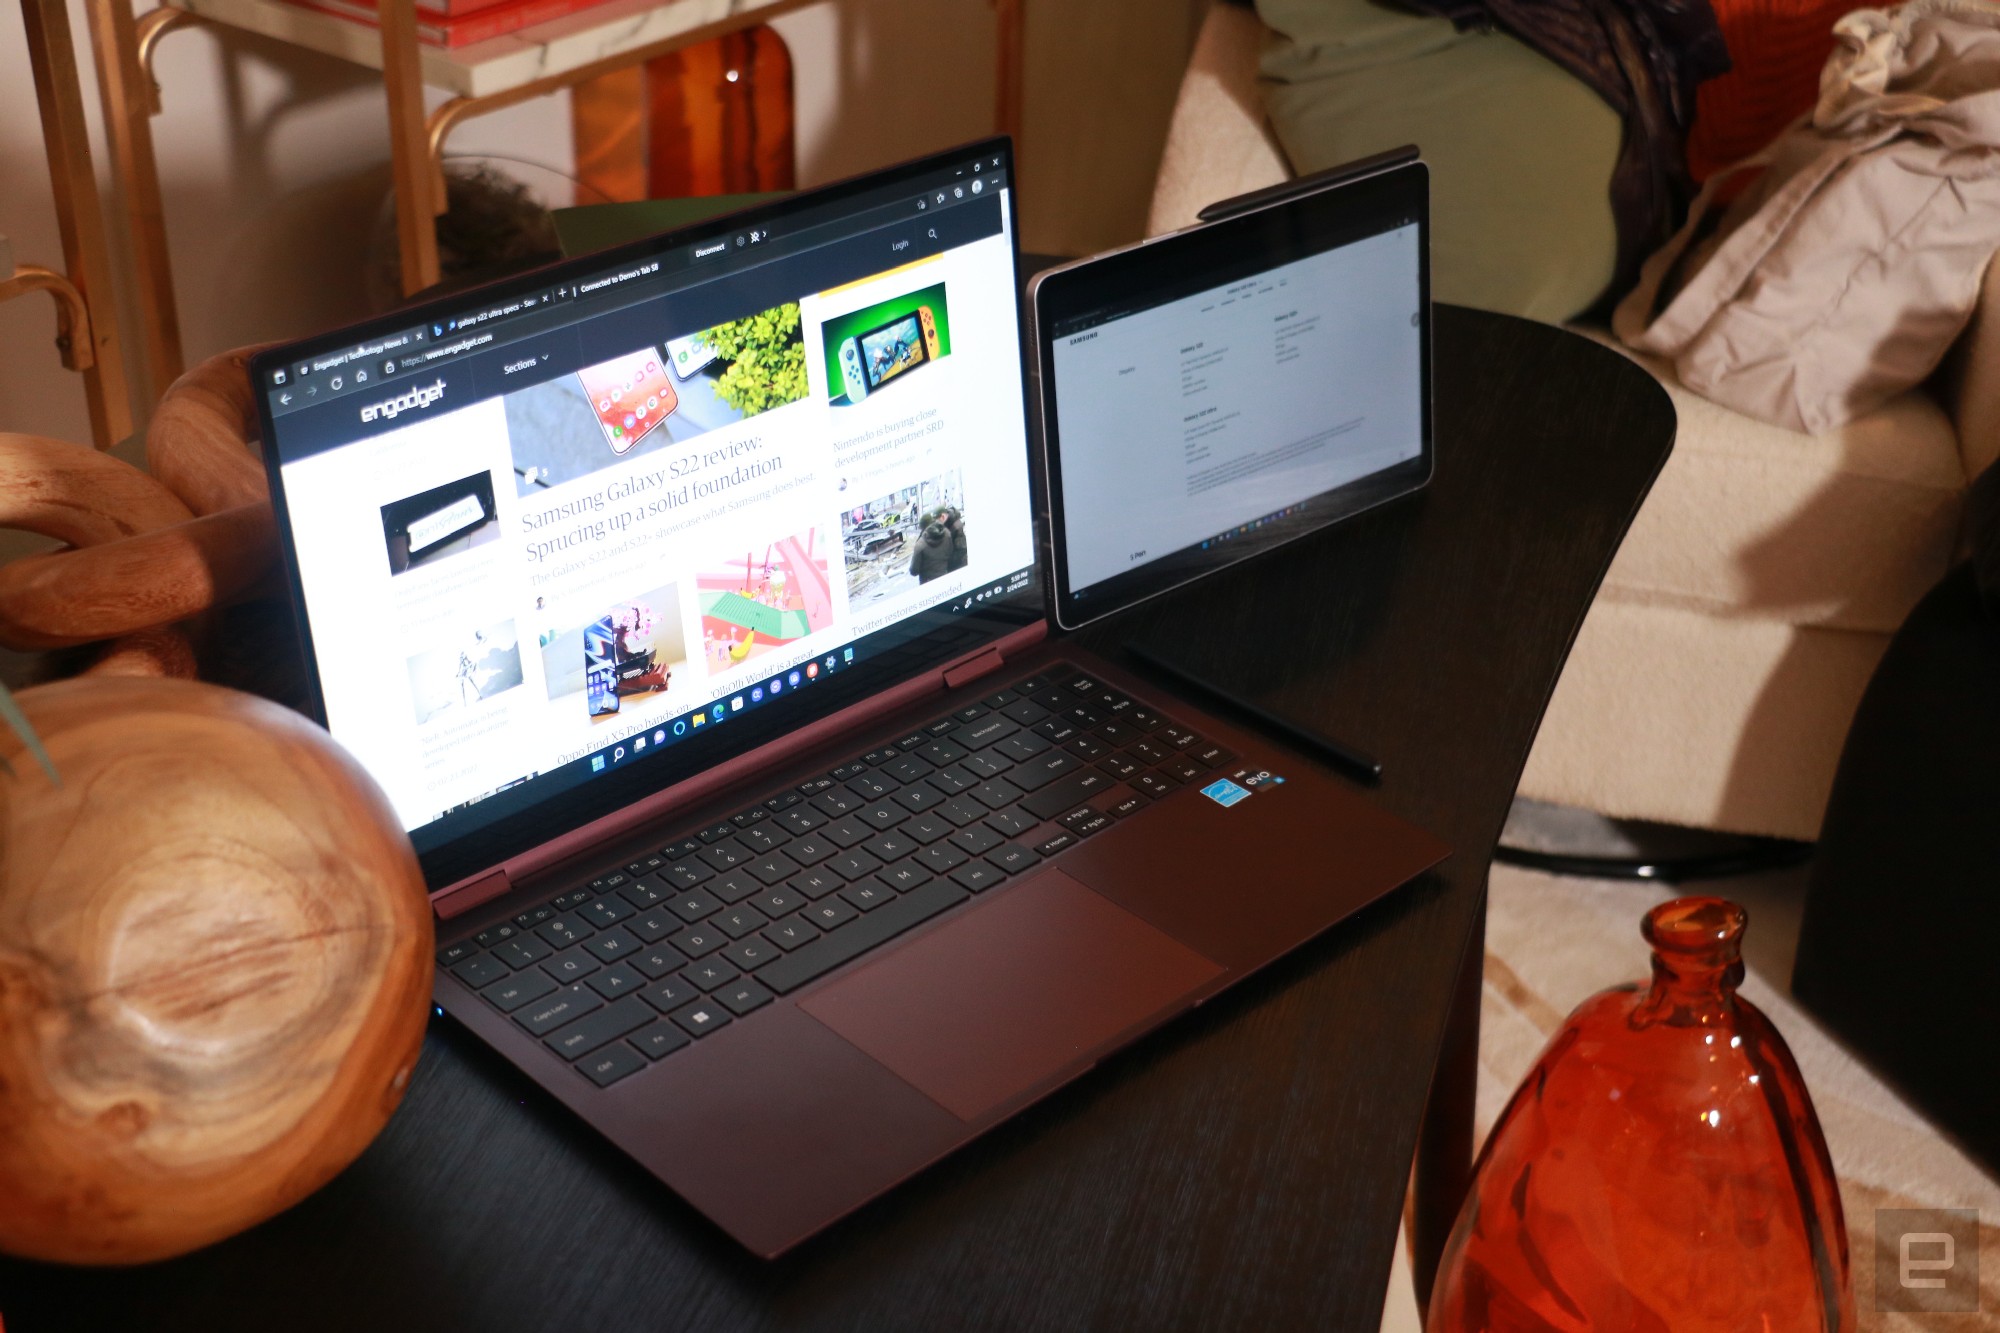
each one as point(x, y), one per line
point(1225, 793)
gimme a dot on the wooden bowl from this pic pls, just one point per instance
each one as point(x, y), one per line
point(214, 968)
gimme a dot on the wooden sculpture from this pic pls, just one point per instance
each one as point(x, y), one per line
point(214, 967)
point(146, 552)
point(214, 938)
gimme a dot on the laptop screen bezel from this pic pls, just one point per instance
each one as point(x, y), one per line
point(1200, 258)
point(921, 642)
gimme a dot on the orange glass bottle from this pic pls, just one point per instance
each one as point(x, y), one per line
point(1660, 1169)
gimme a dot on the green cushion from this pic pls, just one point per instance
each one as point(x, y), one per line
point(1521, 152)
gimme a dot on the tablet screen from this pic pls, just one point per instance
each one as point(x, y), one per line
point(1224, 390)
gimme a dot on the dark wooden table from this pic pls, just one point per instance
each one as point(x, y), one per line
point(1243, 1168)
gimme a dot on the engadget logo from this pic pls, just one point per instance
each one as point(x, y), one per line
point(423, 395)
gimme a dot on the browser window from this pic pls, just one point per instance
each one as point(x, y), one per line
point(539, 538)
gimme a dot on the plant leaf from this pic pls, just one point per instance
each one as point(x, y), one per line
point(11, 713)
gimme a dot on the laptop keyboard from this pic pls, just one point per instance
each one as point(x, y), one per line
point(646, 959)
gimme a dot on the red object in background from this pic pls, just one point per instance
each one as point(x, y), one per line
point(1660, 1168)
point(1776, 49)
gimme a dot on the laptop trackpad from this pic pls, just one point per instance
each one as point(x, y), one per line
point(1033, 985)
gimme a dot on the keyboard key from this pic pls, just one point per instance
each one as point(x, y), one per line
point(829, 913)
point(493, 935)
point(655, 925)
point(883, 755)
point(1085, 822)
point(1151, 751)
point(974, 839)
point(1154, 784)
point(782, 802)
point(978, 876)
point(735, 886)
point(534, 916)
point(962, 811)
point(710, 973)
point(914, 740)
point(881, 815)
point(890, 846)
point(606, 912)
point(715, 833)
point(1012, 857)
point(682, 850)
point(765, 837)
point(670, 994)
point(1180, 737)
point(688, 874)
point(811, 851)
point(904, 876)
point(792, 932)
point(1116, 732)
point(574, 898)
point(853, 865)
point(591, 1031)
point(844, 833)
point(725, 855)
point(867, 894)
point(919, 798)
point(751, 953)
point(1187, 770)
point(942, 727)
point(985, 765)
point(613, 945)
point(802, 819)
point(658, 960)
point(1128, 804)
point(906, 769)
point(646, 865)
point(988, 730)
point(799, 966)
point(749, 817)
point(817, 883)
point(1082, 715)
point(616, 981)
point(692, 907)
point(1044, 769)
point(644, 893)
point(781, 901)
point(1211, 754)
point(607, 1066)
point(853, 768)
point(552, 1011)
point(971, 712)
point(836, 801)
point(1011, 823)
point(951, 781)
point(1021, 747)
point(697, 941)
point(513, 992)
point(1026, 712)
point(928, 828)
point(940, 857)
point(812, 785)
point(658, 1038)
point(1066, 794)
point(1088, 748)
point(944, 753)
point(700, 1018)
point(872, 786)
point(564, 930)
point(740, 921)
point(1082, 684)
point(1058, 730)
point(1001, 699)
point(522, 951)
point(1119, 765)
point(743, 996)
point(1059, 842)
point(572, 964)
point(773, 868)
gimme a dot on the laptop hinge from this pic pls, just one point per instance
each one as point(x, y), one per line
point(989, 659)
point(461, 898)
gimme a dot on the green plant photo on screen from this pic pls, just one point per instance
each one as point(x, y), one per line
point(766, 354)
point(879, 350)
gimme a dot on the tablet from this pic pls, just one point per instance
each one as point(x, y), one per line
point(1214, 393)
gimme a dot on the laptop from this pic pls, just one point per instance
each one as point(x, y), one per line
point(688, 603)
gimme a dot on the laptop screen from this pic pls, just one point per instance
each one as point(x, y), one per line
point(561, 541)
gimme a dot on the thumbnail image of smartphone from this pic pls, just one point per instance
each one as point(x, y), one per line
point(851, 372)
point(888, 351)
point(631, 395)
point(600, 667)
point(689, 354)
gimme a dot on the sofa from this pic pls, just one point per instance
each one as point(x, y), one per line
point(1715, 676)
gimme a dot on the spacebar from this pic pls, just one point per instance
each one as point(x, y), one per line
point(886, 922)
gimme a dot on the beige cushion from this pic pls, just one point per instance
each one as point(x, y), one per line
point(1844, 530)
point(1675, 715)
point(1218, 143)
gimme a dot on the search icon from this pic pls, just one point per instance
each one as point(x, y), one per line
point(934, 233)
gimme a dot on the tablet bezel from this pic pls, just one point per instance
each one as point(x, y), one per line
point(1313, 216)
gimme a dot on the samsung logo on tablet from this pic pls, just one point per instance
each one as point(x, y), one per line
point(407, 401)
